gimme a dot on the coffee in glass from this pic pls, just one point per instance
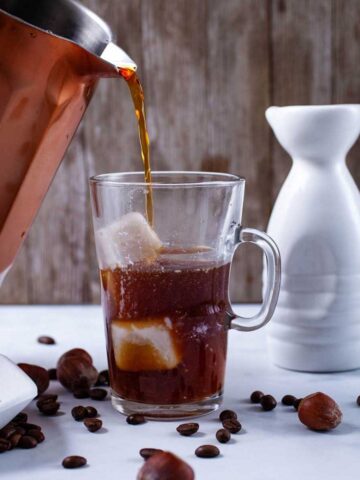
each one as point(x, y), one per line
point(165, 287)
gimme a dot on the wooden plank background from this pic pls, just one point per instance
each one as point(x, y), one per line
point(210, 68)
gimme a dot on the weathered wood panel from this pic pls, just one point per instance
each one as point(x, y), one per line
point(174, 64)
point(346, 64)
point(209, 69)
point(238, 137)
point(301, 63)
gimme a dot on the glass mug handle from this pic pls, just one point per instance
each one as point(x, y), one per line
point(273, 272)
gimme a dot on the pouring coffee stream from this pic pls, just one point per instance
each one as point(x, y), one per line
point(138, 98)
point(52, 56)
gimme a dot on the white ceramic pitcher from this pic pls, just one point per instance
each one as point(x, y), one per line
point(316, 224)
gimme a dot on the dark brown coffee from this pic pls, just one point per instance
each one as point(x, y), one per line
point(167, 329)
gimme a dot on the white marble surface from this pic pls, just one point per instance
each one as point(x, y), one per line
point(272, 446)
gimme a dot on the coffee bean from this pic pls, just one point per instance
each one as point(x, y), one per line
point(358, 400)
point(29, 426)
point(79, 413)
point(45, 399)
point(37, 434)
point(49, 408)
point(146, 453)
point(256, 396)
point(297, 403)
point(4, 429)
point(4, 445)
point(91, 412)
point(15, 438)
point(103, 379)
point(46, 340)
point(288, 400)
point(135, 419)
point(268, 403)
point(47, 396)
point(187, 429)
point(207, 451)
point(227, 415)
point(223, 435)
point(233, 425)
point(74, 461)
point(27, 442)
point(81, 393)
point(7, 431)
point(98, 394)
point(93, 424)
point(20, 417)
point(41, 403)
point(52, 373)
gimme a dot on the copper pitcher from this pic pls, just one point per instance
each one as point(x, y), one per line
point(52, 54)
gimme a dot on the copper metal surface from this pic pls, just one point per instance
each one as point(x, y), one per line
point(46, 83)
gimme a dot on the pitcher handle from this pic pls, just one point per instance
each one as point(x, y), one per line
point(273, 274)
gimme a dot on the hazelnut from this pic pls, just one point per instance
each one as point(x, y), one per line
point(76, 352)
point(75, 369)
point(37, 374)
point(319, 412)
point(165, 466)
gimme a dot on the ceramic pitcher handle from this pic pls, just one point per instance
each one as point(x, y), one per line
point(272, 287)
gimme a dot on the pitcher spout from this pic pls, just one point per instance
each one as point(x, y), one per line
point(117, 57)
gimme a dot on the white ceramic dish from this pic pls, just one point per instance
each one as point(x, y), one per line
point(16, 390)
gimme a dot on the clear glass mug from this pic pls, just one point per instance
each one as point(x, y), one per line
point(165, 287)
